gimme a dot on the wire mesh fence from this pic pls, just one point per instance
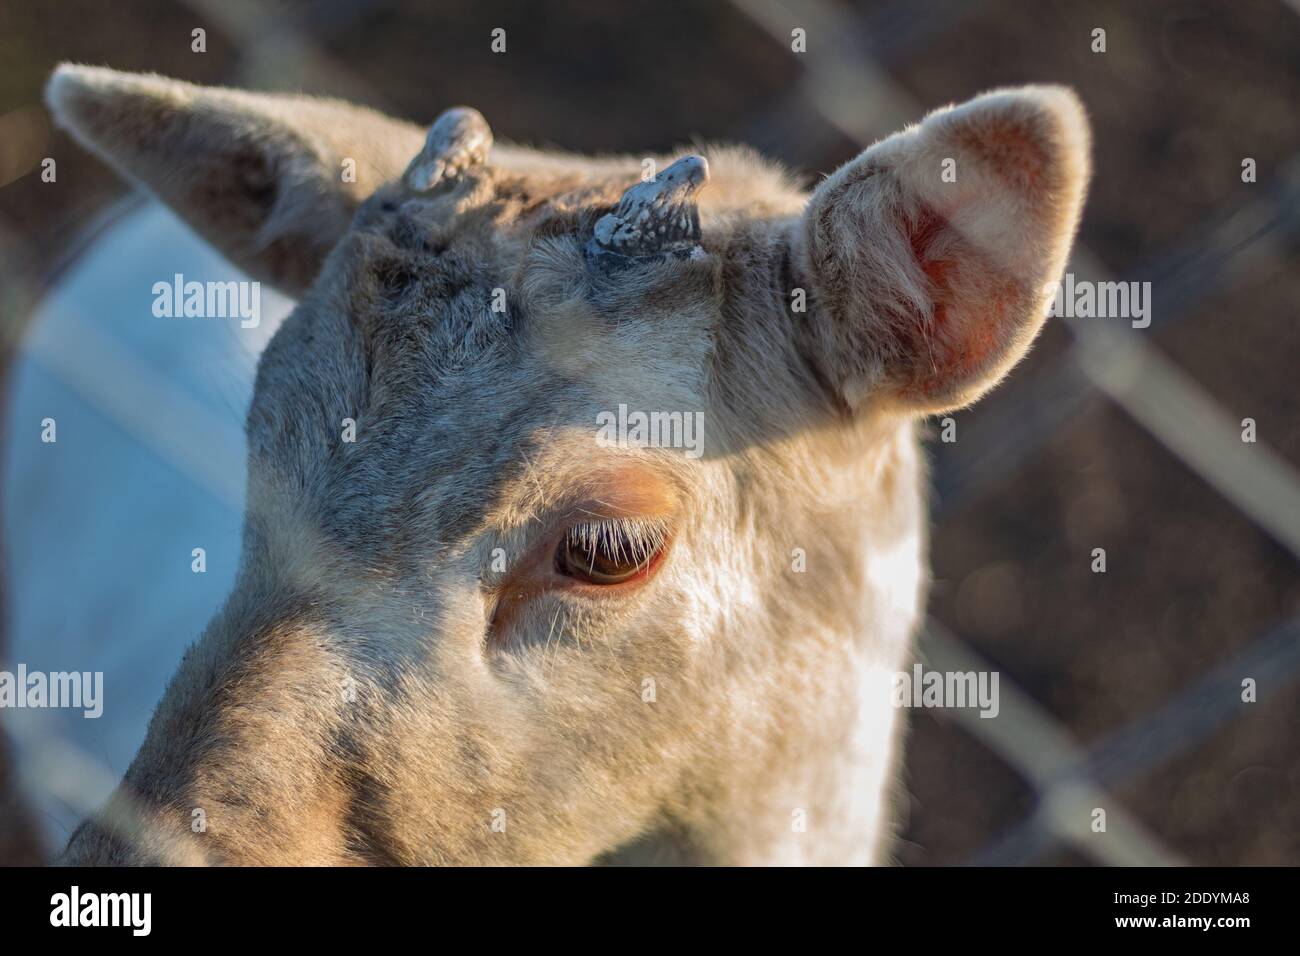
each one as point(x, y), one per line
point(847, 90)
point(852, 91)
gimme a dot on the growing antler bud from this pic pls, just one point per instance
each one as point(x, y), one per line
point(459, 139)
point(654, 218)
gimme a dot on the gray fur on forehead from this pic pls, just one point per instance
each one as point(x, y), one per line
point(422, 287)
point(422, 271)
point(398, 333)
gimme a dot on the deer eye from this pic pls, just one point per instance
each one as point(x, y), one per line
point(610, 552)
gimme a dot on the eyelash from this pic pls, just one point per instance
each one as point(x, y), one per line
point(637, 539)
point(611, 552)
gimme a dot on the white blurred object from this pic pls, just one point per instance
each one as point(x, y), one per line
point(99, 527)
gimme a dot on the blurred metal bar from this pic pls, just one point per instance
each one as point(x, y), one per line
point(1172, 729)
point(841, 81)
point(842, 75)
point(1185, 274)
point(860, 100)
point(1030, 740)
point(128, 391)
point(1273, 661)
point(1187, 421)
point(276, 54)
point(145, 405)
point(1147, 386)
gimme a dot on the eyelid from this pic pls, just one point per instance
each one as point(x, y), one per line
point(613, 511)
point(624, 492)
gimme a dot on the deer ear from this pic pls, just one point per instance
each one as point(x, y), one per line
point(930, 253)
point(270, 180)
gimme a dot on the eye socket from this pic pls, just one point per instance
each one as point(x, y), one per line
point(610, 552)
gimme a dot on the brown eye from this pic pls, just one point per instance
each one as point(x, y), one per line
point(608, 552)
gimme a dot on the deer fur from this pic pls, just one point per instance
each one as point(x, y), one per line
point(376, 689)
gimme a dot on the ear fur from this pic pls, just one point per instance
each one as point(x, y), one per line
point(260, 176)
point(927, 290)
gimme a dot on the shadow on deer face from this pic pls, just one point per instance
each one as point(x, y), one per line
point(486, 612)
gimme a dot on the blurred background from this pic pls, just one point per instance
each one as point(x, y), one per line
point(1119, 690)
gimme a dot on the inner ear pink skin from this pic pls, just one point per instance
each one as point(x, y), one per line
point(962, 337)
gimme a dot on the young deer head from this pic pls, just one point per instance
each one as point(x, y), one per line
point(479, 633)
